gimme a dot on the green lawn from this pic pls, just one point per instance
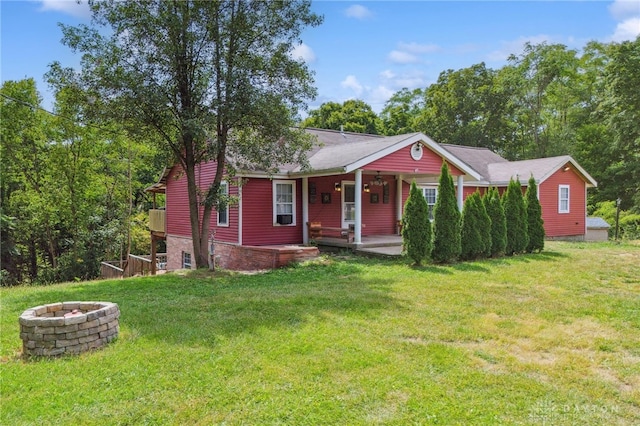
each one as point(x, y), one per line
point(552, 338)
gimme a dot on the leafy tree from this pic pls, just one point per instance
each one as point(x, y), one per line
point(446, 220)
point(400, 111)
point(495, 211)
point(416, 227)
point(516, 217)
point(352, 116)
point(535, 224)
point(464, 107)
point(210, 80)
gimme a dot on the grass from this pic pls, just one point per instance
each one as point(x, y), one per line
point(552, 338)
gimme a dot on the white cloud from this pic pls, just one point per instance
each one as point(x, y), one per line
point(304, 52)
point(627, 30)
point(515, 47)
point(351, 82)
point(623, 9)
point(358, 11)
point(400, 57)
point(70, 7)
point(418, 48)
point(387, 74)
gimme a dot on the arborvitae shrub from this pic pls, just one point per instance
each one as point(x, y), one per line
point(493, 206)
point(446, 221)
point(484, 226)
point(535, 224)
point(516, 217)
point(470, 239)
point(416, 227)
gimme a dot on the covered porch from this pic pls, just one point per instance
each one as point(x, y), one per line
point(385, 245)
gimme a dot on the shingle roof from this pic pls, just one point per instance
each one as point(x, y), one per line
point(478, 158)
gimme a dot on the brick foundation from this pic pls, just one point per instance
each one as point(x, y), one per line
point(240, 258)
point(68, 327)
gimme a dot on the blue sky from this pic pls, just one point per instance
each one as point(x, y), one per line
point(364, 50)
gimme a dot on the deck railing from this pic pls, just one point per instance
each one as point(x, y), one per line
point(157, 220)
point(134, 265)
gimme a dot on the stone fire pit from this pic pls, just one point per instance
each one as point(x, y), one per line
point(68, 327)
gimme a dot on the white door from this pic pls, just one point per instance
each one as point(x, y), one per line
point(348, 204)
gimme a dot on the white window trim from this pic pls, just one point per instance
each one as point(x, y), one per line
point(425, 196)
point(345, 223)
point(275, 208)
point(560, 199)
point(224, 184)
point(186, 265)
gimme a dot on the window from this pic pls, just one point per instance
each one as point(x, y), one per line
point(186, 260)
point(430, 194)
point(563, 199)
point(284, 202)
point(349, 203)
point(223, 212)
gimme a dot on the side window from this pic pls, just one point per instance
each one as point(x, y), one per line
point(223, 212)
point(284, 202)
point(563, 199)
point(430, 194)
point(186, 260)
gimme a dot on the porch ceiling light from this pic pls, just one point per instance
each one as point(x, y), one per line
point(378, 180)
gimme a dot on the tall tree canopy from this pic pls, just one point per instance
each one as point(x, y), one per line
point(352, 116)
point(211, 80)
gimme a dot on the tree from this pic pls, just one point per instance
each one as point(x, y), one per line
point(209, 80)
point(352, 116)
point(464, 107)
point(416, 227)
point(495, 211)
point(400, 112)
point(476, 229)
point(446, 220)
point(535, 224)
point(516, 217)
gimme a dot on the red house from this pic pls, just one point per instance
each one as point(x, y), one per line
point(356, 189)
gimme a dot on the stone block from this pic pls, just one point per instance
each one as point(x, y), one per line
point(54, 307)
point(107, 319)
point(63, 343)
point(67, 329)
point(89, 338)
point(77, 334)
point(75, 319)
point(88, 324)
point(44, 330)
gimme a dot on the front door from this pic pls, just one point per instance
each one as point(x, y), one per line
point(348, 204)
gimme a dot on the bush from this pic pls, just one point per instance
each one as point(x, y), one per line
point(416, 227)
point(535, 224)
point(628, 223)
point(476, 229)
point(495, 211)
point(446, 221)
point(516, 217)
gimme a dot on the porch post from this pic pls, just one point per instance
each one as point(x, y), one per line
point(460, 192)
point(357, 237)
point(399, 199)
point(305, 210)
point(153, 253)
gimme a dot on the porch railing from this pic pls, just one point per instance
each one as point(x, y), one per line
point(157, 220)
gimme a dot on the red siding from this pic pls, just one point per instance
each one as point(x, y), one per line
point(401, 161)
point(377, 218)
point(563, 224)
point(177, 204)
point(258, 227)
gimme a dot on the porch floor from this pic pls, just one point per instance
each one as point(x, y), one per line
point(386, 245)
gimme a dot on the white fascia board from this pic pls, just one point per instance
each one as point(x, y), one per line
point(410, 140)
point(591, 182)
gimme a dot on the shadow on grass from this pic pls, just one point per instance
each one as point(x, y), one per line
point(200, 308)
